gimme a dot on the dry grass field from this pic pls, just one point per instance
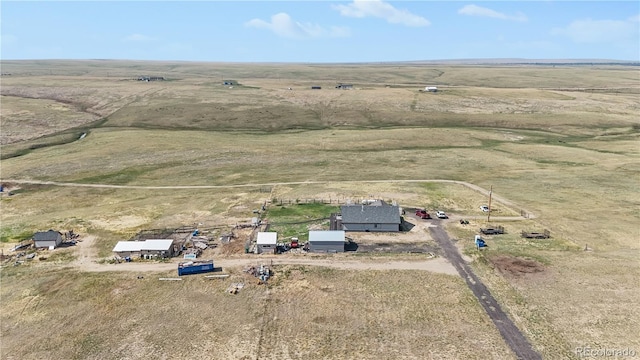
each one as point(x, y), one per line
point(559, 142)
point(306, 313)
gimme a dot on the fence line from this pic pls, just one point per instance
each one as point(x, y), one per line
point(329, 201)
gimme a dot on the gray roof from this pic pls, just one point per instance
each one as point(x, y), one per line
point(46, 235)
point(370, 214)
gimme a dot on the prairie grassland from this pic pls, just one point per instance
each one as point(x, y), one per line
point(193, 97)
point(307, 313)
point(560, 142)
point(498, 76)
point(20, 116)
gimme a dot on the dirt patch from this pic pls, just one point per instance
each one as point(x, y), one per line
point(394, 247)
point(515, 266)
point(236, 245)
point(85, 249)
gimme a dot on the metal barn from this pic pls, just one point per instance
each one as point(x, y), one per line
point(331, 241)
point(162, 248)
point(128, 249)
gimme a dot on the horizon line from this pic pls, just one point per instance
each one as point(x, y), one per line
point(459, 60)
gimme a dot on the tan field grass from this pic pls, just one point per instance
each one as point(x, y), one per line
point(307, 313)
point(194, 98)
point(558, 142)
point(19, 116)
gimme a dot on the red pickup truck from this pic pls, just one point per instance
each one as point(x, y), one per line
point(423, 214)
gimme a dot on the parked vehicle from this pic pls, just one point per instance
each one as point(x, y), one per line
point(484, 208)
point(441, 215)
point(423, 214)
point(536, 235)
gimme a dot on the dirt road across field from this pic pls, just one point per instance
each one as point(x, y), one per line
point(437, 265)
point(509, 331)
point(177, 187)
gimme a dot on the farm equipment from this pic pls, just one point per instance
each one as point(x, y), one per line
point(423, 214)
point(294, 243)
point(492, 230)
point(536, 235)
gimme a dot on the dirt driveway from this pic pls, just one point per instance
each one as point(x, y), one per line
point(509, 331)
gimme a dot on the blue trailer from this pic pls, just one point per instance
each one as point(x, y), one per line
point(195, 267)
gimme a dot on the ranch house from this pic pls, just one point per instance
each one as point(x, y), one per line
point(377, 216)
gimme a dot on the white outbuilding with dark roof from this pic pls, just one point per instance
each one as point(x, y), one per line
point(47, 239)
point(266, 242)
point(331, 241)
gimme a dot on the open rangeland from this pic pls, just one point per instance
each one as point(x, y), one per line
point(558, 145)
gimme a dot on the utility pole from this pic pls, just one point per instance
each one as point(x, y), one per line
point(490, 193)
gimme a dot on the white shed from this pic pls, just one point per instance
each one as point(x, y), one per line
point(148, 248)
point(266, 242)
point(128, 248)
point(157, 247)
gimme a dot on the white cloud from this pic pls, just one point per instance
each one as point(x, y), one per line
point(474, 10)
point(600, 31)
point(383, 10)
point(283, 25)
point(138, 38)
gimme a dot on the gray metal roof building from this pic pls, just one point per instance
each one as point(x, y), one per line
point(378, 216)
point(326, 241)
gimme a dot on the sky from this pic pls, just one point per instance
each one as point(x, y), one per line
point(319, 31)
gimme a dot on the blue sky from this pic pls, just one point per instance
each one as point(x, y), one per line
point(320, 31)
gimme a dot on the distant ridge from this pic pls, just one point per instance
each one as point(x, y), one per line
point(515, 61)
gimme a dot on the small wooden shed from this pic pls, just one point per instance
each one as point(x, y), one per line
point(47, 239)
